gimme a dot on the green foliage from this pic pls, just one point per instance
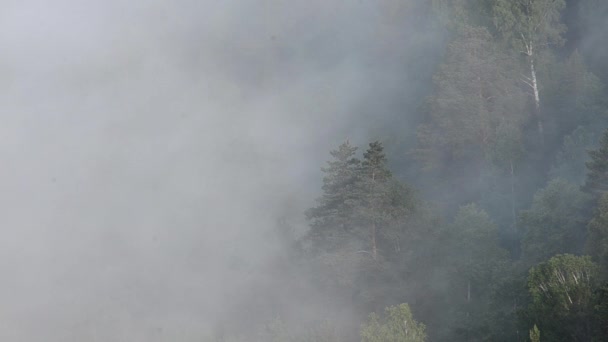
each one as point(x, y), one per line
point(592, 25)
point(332, 218)
point(472, 140)
point(571, 158)
point(477, 265)
point(574, 90)
point(529, 23)
point(378, 243)
point(397, 325)
point(476, 113)
point(597, 239)
point(565, 281)
point(597, 176)
point(555, 222)
point(534, 334)
point(600, 311)
point(359, 229)
point(562, 290)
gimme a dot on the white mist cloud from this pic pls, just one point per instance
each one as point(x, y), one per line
point(143, 144)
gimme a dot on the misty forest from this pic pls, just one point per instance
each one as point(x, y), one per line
point(304, 171)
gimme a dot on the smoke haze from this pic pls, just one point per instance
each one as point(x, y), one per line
point(148, 146)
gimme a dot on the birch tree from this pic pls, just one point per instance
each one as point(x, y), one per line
point(530, 27)
point(397, 325)
point(562, 290)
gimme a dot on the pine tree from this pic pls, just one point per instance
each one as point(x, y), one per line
point(476, 262)
point(374, 187)
point(475, 95)
point(475, 120)
point(597, 238)
point(333, 217)
point(555, 222)
point(597, 176)
point(571, 158)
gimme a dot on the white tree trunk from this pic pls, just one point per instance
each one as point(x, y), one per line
point(539, 120)
point(513, 214)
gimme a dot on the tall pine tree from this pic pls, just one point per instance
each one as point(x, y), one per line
point(333, 217)
point(597, 176)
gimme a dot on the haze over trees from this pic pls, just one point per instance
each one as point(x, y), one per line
point(304, 171)
point(500, 235)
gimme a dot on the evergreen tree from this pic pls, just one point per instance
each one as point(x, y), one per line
point(375, 207)
point(475, 95)
point(574, 96)
point(597, 175)
point(333, 217)
point(571, 158)
point(477, 264)
point(475, 120)
point(597, 239)
point(555, 222)
point(601, 313)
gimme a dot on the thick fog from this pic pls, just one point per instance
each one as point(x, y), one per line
point(149, 146)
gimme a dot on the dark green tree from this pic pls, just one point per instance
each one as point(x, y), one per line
point(376, 207)
point(573, 96)
point(477, 265)
point(475, 95)
point(571, 158)
point(597, 239)
point(333, 217)
point(555, 223)
point(601, 313)
point(597, 175)
point(474, 122)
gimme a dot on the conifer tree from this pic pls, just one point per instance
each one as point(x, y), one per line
point(476, 263)
point(597, 237)
point(555, 223)
point(597, 175)
point(374, 187)
point(332, 218)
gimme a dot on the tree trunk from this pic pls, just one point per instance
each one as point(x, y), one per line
point(513, 215)
point(468, 296)
point(373, 230)
point(374, 246)
point(539, 120)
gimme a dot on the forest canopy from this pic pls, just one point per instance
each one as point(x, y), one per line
point(490, 224)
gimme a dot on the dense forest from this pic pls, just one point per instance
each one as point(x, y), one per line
point(479, 210)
